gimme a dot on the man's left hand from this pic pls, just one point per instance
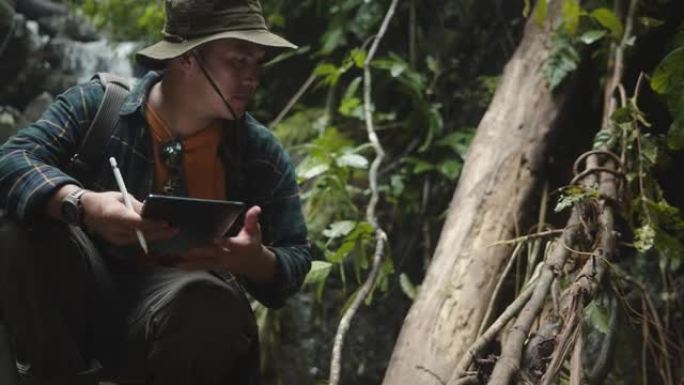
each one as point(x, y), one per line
point(242, 254)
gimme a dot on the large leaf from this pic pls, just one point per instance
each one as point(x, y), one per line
point(311, 167)
point(563, 60)
point(608, 20)
point(339, 229)
point(592, 36)
point(318, 273)
point(669, 74)
point(352, 160)
point(571, 15)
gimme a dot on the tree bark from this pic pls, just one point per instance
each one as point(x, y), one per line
point(501, 175)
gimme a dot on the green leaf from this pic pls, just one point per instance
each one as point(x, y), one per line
point(420, 166)
point(650, 22)
point(276, 19)
point(572, 194)
point(397, 184)
point(358, 56)
point(451, 168)
point(571, 15)
point(352, 160)
point(609, 20)
point(397, 69)
point(307, 171)
point(458, 141)
point(597, 316)
point(329, 72)
point(341, 253)
point(318, 273)
point(407, 286)
point(605, 139)
point(649, 150)
point(563, 60)
point(669, 73)
point(332, 39)
point(352, 87)
point(644, 238)
point(592, 36)
point(675, 137)
point(339, 229)
point(671, 248)
point(351, 107)
point(541, 9)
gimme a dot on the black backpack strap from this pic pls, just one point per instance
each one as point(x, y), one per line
point(116, 89)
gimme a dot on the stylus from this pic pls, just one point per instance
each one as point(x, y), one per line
point(127, 199)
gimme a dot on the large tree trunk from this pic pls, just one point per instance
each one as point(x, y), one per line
point(499, 181)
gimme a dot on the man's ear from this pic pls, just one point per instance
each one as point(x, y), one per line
point(184, 62)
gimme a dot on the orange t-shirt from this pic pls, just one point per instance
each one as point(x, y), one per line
point(204, 172)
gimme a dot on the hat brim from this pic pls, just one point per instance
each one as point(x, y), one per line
point(165, 50)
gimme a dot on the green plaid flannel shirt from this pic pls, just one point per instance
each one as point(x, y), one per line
point(36, 162)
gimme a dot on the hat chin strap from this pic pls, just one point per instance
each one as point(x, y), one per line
point(213, 84)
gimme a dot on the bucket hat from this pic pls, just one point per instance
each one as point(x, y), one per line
point(191, 23)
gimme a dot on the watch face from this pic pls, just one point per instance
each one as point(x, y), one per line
point(71, 208)
point(70, 212)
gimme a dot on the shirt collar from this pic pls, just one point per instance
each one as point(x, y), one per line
point(135, 101)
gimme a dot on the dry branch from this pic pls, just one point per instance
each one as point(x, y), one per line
point(512, 349)
point(488, 336)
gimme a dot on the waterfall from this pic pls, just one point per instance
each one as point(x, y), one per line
point(84, 59)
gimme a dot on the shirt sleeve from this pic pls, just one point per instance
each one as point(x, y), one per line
point(33, 160)
point(285, 234)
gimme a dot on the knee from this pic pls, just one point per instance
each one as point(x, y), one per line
point(209, 312)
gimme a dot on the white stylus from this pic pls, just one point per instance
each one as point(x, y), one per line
point(127, 199)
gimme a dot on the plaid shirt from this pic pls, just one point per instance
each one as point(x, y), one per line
point(35, 163)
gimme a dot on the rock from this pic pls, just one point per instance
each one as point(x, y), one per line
point(72, 26)
point(10, 121)
point(35, 9)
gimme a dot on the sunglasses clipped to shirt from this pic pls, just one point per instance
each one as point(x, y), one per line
point(171, 154)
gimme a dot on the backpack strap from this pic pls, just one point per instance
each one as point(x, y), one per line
point(116, 89)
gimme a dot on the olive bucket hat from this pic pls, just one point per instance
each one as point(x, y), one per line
point(191, 23)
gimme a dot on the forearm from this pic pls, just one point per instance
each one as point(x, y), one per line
point(262, 267)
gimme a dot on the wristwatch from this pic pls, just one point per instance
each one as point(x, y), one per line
point(72, 209)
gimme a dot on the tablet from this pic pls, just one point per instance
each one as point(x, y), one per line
point(199, 221)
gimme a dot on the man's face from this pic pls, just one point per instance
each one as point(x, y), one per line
point(235, 66)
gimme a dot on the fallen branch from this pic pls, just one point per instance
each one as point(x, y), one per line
point(380, 235)
point(488, 336)
point(512, 348)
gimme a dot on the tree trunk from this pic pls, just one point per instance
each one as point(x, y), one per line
point(498, 184)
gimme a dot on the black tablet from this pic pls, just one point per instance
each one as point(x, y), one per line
point(199, 221)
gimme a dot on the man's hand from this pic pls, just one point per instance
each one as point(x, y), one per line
point(243, 254)
point(106, 214)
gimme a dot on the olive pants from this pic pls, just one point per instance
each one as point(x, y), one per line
point(74, 317)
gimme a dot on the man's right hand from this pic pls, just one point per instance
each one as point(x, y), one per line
point(106, 214)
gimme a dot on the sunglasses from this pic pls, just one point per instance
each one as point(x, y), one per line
point(171, 154)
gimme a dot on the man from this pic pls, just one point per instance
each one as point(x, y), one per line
point(112, 312)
